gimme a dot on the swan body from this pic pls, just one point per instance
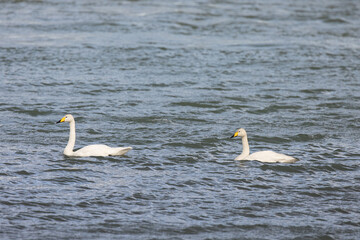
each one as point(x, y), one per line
point(262, 156)
point(96, 150)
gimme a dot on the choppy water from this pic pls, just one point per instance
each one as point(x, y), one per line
point(174, 80)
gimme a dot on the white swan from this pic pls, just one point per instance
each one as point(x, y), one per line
point(96, 150)
point(263, 156)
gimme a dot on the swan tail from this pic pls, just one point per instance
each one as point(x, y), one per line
point(293, 160)
point(120, 151)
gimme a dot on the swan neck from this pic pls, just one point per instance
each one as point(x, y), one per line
point(69, 149)
point(245, 143)
point(246, 149)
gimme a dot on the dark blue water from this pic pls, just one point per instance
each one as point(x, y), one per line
point(174, 80)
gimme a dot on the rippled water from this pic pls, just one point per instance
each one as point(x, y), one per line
point(174, 80)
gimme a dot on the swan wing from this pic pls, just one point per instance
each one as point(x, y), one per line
point(271, 157)
point(99, 150)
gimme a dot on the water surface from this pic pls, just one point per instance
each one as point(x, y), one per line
point(174, 80)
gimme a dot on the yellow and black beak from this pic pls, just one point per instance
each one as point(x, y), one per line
point(235, 135)
point(61, 120)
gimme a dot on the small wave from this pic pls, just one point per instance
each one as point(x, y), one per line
point(317, 90)
point(68, 180)
point(24, 173)
point(328, 19)
point(308, 137)
point(285, 168)
point(31, 112)
point(209, 104)
point(276, 108)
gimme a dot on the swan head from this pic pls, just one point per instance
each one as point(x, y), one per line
point(66, 118)
point(239, 133)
